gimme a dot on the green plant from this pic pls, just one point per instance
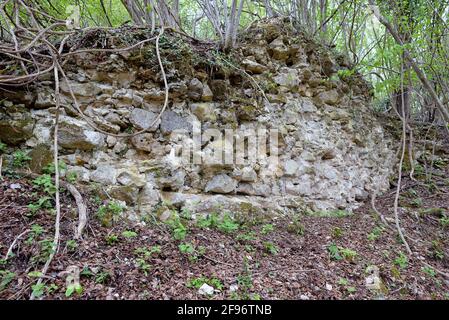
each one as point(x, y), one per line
point(102, 277)
point(52, 288)
point(129, 234)
point(38, 290)
point(348, 254)
point(249, 248)
point(267, 228)
point(143, 254)
point(444, 221)
point(2, 147)
point(345, 283)
point(71, 245)
point(334, 252)
point(199, 281)
point(143, 265)
point(108, 213)
point(186, 214)
point(179, 230)
point(191, 251)
point(86, 272)
point(34, 274)
point(429, 271)
point(375, 233)
point(45, 250)
point(245, 237)
point(337, 232)
point(71, 177)
point(245, 281)
point(147, 253)
point(35, 232)
point(72, 288)
point(42, 203)
point(186, 248)
point(270, 247)
point(45, 183)
point(437, 250)
point(6, 277)
point(111, 239)
point(227, 224)
point(401, 260)
point(50, 169)
point(20, 158)
point(417, 202)
point(209, 221)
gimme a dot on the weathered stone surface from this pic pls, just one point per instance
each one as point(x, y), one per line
point(207, 94)
point(328, 97)
point(279, 50)
point(75, 134)
point(128, 194)
point(171, 180)
point(142, 119)
point(80, 173)
point(253, 66)
point(149, 196)
point(41, 156)
point(88, 89)
point(221, 184)
point(204, 111)
point(172, 121)
point(44, 99)
point(130, 177)
point(307, 106)
point(290, 167)
point(329, 65)
point(105, 174)
point(195, 89)
point(288, 79)
point(14, 132)
point(220, 89)
point(246, 174)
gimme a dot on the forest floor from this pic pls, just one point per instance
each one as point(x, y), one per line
point(310, 257)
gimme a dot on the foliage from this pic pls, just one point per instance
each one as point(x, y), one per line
point(375, 233)
point(429, 271)
point(5, 279)
point(45, 183)
point(267, 228)
point(71, 245)
point(109, 213)
point(401, 260)
point(2, 147)
point(270, 247)
point(199, 281)
point(20, 159)
point(225, 224)
point(73, 288)
point(129, 234)
point(191, 251)
point(42, 203)
point(334, 252)
point(179, 230)
point(51, 170)
point(111, 239)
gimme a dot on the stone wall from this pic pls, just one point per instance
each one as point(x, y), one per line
point(334, 151)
